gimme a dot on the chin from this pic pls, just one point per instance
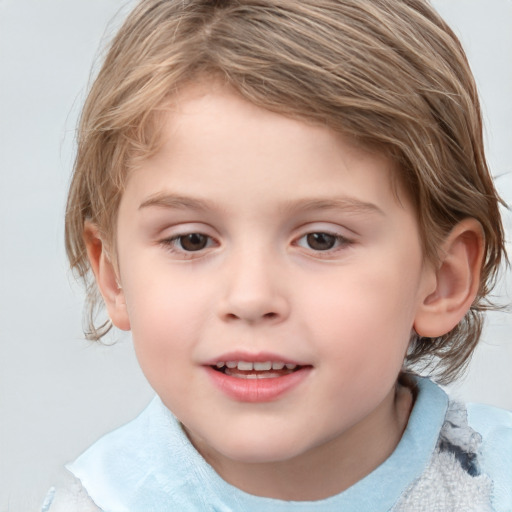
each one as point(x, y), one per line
point(258, 451)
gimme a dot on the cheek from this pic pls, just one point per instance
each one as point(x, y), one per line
point(367, 315)
point(160, 297)
point(165, 318)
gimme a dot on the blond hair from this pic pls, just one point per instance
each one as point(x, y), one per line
point(389, 73)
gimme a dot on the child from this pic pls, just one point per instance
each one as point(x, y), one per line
point(288, 205)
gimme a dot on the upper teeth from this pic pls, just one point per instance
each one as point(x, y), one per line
point(258, 366)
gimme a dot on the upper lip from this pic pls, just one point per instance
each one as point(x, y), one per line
point(257, 357)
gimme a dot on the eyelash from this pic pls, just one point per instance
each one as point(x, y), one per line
point(175, 243)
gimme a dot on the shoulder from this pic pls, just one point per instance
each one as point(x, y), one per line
point(68, 496)
point(494, 425)
point(488, 420)
point(147, 464)
point(480, 437)
point(471, 466)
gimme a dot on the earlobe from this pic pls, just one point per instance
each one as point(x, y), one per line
point(457, 281)
point(106, 276)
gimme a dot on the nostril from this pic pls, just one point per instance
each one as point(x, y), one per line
point(267, 316)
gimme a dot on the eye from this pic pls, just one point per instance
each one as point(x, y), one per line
point(189, 242)
point(321, 241)
point(193, 241)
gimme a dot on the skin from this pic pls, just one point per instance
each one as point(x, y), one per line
point(255, 184)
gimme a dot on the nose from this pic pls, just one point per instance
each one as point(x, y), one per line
point(254, 291)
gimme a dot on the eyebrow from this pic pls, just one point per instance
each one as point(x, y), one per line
point(177, 202)
point(347, 204)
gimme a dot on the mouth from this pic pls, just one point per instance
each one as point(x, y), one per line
point(263, 380)
point(256, 370)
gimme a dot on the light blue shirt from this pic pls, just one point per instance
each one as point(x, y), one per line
point(149, 465)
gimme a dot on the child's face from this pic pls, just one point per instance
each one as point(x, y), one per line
point(253, 237)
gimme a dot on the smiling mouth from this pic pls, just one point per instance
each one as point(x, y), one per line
point(256, 370)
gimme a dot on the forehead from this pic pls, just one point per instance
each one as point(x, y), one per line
point(217, 146)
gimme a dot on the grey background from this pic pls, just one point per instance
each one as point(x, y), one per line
point(59, 393)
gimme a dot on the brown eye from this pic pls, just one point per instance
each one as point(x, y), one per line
point(320, 241)
point(193, 241)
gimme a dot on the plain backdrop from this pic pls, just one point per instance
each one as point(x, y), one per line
point(59, 393)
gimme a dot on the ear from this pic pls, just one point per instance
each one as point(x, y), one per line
point(106, 276)
point(457, 280)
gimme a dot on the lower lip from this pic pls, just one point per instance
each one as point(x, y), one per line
point(257, 390)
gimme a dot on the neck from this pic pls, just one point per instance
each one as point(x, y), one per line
point(328, 469)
